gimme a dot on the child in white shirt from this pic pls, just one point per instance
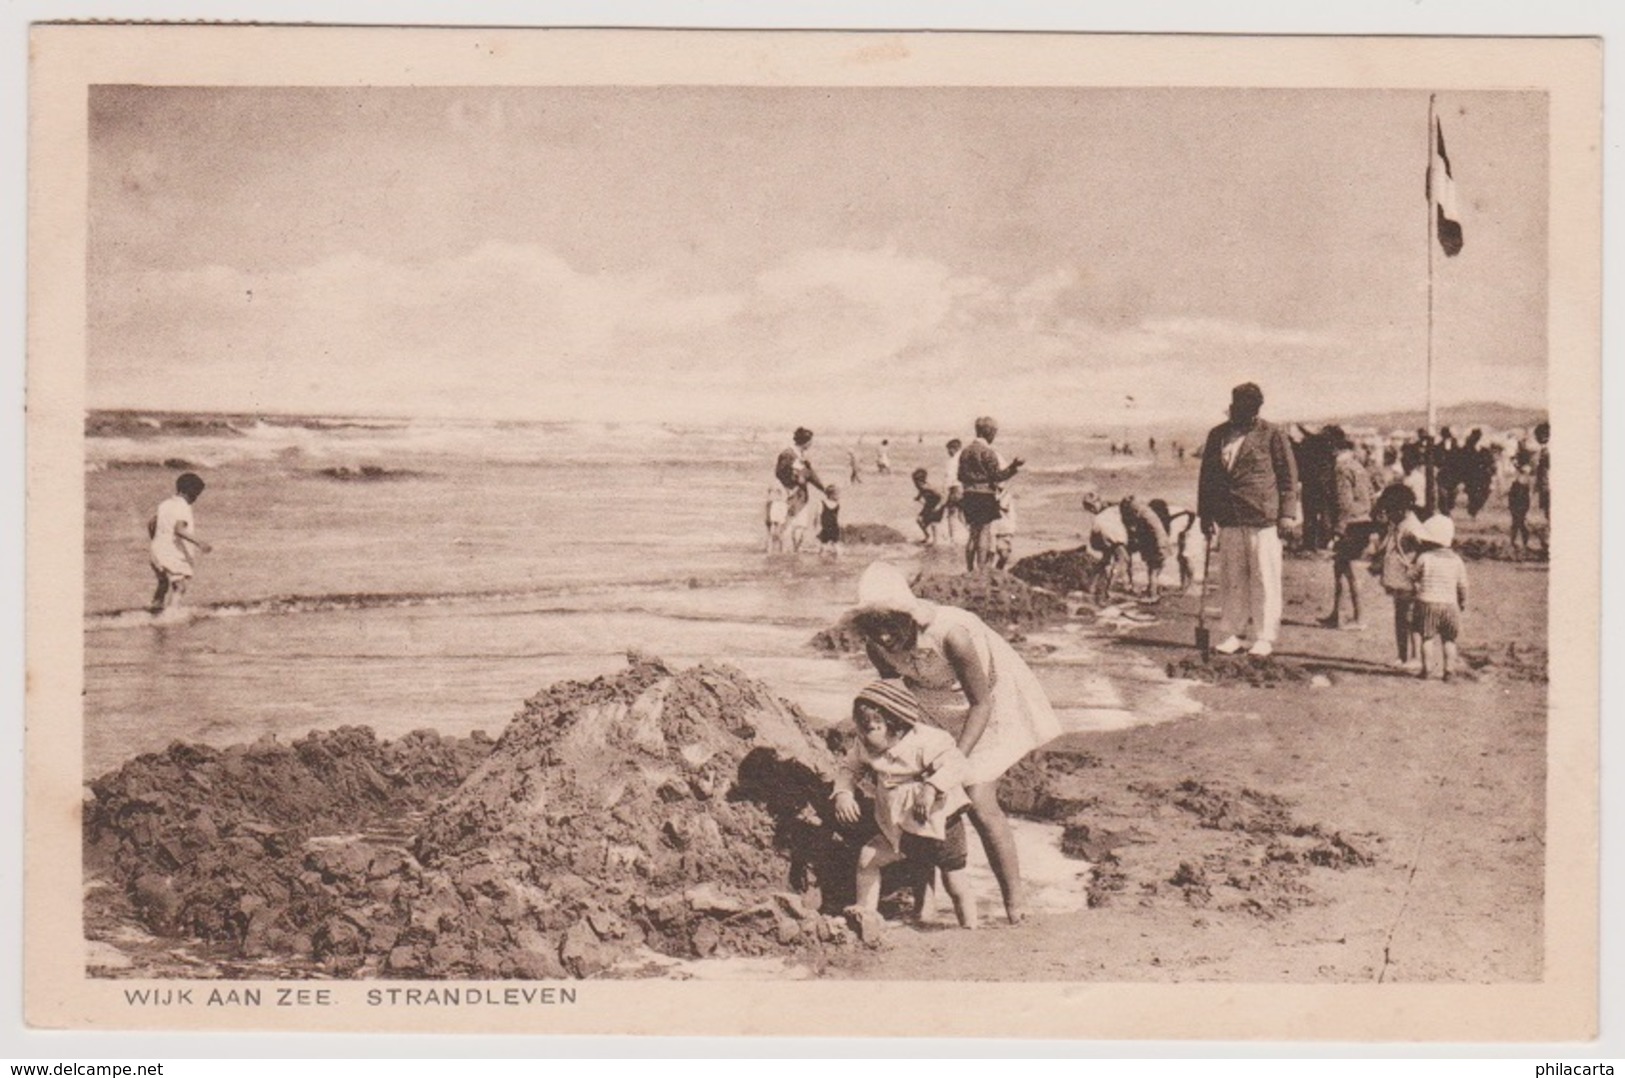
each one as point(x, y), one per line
point(916, 774)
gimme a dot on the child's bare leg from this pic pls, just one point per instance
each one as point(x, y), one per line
point(1452, 657)
point(958, 888)
point(925, 895)
point(1426, 650)
point(876, 855)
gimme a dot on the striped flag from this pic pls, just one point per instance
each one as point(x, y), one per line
point(1441, 191)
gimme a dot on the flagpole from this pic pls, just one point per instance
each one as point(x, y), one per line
point(1433, 201)
point(1433, 211)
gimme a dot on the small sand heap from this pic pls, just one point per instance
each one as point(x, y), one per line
point(1008, 604)
point(678, 811)
point(1060, 571)
point(872, 535)
point(1259, 672)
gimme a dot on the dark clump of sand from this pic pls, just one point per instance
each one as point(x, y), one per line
point(1007, 603)
point(1486, 549)
point(1059, 571)
point(1260, 672)
point(367, 473)
point(680, 812)
point(872, 535)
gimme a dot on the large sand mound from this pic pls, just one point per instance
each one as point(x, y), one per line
point(678, 811)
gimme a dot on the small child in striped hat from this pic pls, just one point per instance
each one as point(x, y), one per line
point(916, 775)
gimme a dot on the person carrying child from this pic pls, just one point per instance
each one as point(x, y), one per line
point(931, 506)
point(916, 776)
point(1392, 565)
point(1441, 591)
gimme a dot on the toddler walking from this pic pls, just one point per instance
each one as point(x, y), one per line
point(916, 774)
point(1441, 591)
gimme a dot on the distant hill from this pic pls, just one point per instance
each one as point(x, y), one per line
point(1491, 415)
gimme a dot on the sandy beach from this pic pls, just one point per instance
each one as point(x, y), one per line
point(1316, 817)
point(1374, 829)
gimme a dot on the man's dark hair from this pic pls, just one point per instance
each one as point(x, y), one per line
point(189, 484)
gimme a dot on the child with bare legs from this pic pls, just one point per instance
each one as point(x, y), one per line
point(915, 774)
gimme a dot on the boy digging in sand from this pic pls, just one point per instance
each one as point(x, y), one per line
point(172, 544)
point(916, 774)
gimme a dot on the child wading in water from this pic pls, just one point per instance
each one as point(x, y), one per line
point(172, 543)
point(931, 507)
point(916, 775)
point(1441, 591)
point(829, 522)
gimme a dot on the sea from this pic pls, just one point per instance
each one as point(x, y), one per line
point(412, 573)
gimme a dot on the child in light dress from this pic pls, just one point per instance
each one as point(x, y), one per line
point(778, 517)
point(173, 543)
point(916, 774)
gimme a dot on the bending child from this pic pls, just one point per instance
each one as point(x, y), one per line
point(931, 507)
point(916, 775)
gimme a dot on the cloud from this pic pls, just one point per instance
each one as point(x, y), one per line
point(828, 335)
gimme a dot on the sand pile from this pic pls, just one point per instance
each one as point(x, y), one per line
point(1008, 604)
point(1242, 669)
point(679, 811)
point(1060, 571)
point(871, 535)
point(203, 839)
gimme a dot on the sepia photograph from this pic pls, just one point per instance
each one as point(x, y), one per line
point(790, 515)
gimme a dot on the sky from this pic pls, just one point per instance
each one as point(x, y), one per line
point(845, 258)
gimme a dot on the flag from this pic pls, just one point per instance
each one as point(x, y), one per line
point(1441, 192)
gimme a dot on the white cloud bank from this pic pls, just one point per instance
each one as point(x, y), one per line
point(833, 337)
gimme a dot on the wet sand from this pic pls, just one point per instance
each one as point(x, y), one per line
point(1357, 826)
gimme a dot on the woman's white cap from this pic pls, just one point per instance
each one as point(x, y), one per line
point(884, 587)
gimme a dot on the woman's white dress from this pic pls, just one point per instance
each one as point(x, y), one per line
point(1022, 718)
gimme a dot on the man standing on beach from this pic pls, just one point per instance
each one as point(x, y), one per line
point(981, 471)
point(1248, 492)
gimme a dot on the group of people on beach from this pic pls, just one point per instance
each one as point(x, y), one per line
point(977, 496)
point(792, 511)
point(1249, 501)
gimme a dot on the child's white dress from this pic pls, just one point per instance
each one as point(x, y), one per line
point(1022, 717)
point(925, 756)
